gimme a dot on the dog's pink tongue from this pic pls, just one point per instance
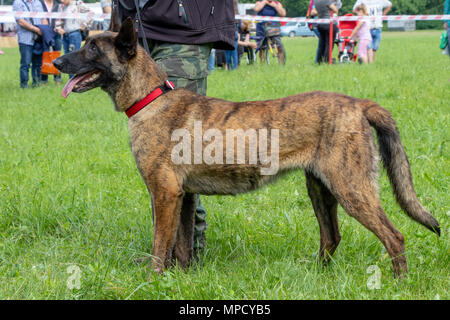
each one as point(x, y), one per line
point(69, 85)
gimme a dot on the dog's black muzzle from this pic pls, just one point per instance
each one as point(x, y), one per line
point(58, 63)
point(72, 63)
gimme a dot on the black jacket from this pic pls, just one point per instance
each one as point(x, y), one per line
point(185, 21)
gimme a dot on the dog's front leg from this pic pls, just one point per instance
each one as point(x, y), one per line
point(168, 200)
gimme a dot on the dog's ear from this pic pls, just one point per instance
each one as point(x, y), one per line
point(114, 24)
point(126, 41)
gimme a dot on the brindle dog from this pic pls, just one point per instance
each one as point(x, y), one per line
point(329, 135)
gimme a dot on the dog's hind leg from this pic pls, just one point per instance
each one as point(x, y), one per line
point(366, 208)
point(359, 198)
point(183, 249)
point(325, 208)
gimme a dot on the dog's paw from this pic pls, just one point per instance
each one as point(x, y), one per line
point(141, 259)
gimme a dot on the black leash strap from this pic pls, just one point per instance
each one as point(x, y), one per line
point(138, 20)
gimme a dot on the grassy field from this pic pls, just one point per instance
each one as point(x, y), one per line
point(74, 213)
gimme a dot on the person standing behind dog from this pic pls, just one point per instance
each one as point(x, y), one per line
point(362, 29)
point(323, 8)
point(106, 8)
point(231, 56)
point(180, 35)
point(70, 29)
point(268, 8)
point(52, 6)
point(375, 8)
point(27, 33)
point(312, 13)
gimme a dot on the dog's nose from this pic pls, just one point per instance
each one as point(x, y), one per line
point(58, 63)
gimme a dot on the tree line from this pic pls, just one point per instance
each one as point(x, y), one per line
point(298, 8)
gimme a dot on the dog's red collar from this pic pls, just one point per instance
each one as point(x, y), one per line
point(135, 108)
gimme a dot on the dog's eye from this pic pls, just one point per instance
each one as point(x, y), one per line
point(93, 47)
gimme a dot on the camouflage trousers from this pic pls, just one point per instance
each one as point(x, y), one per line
point(187, 67)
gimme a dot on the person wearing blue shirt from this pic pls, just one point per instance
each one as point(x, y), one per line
point(268, 8)
point(27, 33)
point(231, 56)
point(52, 6)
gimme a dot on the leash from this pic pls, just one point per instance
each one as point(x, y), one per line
point(167, 86)
point(137, 20)
point(138, 106)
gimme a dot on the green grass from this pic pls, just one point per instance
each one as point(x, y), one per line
point(70, 193)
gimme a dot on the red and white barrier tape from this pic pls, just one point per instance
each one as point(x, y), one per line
point(97, 16)
point(347, 18)
point(54, 15)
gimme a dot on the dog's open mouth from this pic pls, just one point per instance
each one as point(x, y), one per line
point(81, 83)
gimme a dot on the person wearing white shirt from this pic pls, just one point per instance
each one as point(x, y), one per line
point(376, 8)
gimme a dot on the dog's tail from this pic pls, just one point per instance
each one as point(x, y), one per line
point(397, 165)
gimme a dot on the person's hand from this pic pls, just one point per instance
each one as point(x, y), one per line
point(273, 4)
point(38, 31)
point(386, 10)
point(252, 45)
point(61, 31)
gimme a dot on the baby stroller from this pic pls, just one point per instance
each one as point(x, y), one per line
point(346, 45)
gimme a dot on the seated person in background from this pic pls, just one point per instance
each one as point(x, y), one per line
point(245, 46)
